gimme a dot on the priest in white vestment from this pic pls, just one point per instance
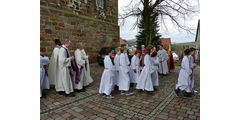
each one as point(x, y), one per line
point(64, 80)
point(106, 84)
point(163, 57)
point(44, 83)
point(87, 79)
point(79, 64)
point(52, 69)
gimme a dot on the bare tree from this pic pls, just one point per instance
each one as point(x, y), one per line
point(177, 11)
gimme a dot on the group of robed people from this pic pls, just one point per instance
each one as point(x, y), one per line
point(141, 72)
point(67, 73)
point(185, 85)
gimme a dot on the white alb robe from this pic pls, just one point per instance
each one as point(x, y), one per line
point(163, 67)
point(191, 63)
point(64, 81)
point(106, 83)
point(127, 59)
point(86, 70)
point(184, 75)
point(154, 75)
point(116, 72)
point(52, 69)
point(135, 64)
point(44, 83)
point(124, 80)
point(80, 63)
point(145, 80)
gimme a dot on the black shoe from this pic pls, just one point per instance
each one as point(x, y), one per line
point(82, 90)
point(43, 96)
point(177, 92)
point(187, 95)
point(150, 92)
point(61, 93)
point(116, 87)
point(70, 95)
point(109, 96)
point(103, 94)
point(128, 93)
point(140, 90)
point(131, 84)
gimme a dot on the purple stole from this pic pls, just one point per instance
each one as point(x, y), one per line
point(86, 66)
point(191, 82)
point(78, 72)
point(141, 52)
point(73, 67)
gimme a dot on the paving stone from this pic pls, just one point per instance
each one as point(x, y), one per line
point(137, 106)
point(120, 118)
point(98, 118)
point(78, 109)
point(163, 117)
point(180, 117)
point(185, 108)
point(76, 119)
point(49, 119)
point(190, 112)
point(173, 112)
point(126, 115)
point(144, 112)
point(192, 117)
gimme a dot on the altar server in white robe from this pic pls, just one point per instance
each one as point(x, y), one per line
point(106, 84)
point(64, 80)
point(52, 70)
point(86, 70)
point(124, 46)
point(163, 57)
point(124, 80)
point(145, 80)
point(79, 64)
point(184, 76)
point(155, 64)
point(116, 66)
point(44, 83)
point(135, 67)
point(193, 65)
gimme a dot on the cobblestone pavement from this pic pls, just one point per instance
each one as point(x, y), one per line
point(163, 104)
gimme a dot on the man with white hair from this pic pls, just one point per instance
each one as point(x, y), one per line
point(64, 81)
point(79, 64)
point(163, 57)
point(87, 79)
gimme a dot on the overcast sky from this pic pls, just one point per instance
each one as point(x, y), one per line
point(126, 31)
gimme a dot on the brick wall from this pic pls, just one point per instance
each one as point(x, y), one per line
point(79, 21)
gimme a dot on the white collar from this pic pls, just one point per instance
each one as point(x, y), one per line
point(64, 46)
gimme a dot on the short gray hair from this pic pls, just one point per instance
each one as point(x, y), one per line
point(66, 41)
